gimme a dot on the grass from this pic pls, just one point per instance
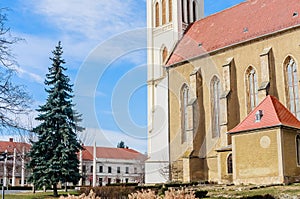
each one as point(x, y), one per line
point(38, 195)
point(246, 191)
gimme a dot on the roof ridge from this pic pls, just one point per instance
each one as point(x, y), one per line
point(273, 105)
point(249, 114)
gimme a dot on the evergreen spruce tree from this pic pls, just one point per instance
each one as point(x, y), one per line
point(53, 157)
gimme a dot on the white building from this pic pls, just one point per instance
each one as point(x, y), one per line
point(166, 21)
point(13, 168)
point(111, 165)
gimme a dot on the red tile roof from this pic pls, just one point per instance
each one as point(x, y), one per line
point(10, 145)
point(274, 114)
point(245, 21)
point(112, 153)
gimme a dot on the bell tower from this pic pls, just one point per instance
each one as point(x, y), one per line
point(166, 22)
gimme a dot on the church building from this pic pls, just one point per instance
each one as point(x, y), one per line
point(223, 92)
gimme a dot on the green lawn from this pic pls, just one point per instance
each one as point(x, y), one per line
point(38, 195)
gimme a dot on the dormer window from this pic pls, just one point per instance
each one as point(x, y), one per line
point(258, 115)
point(295, 14)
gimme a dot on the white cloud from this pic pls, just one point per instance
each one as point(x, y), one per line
point(23, 73)
point(92, 18)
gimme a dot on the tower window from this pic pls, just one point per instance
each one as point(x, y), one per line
point(164, 12)
point(188, 11)
point(170, 11)
point(164, 55)
point(156, 14)
point(194, 11)
point(182, 11)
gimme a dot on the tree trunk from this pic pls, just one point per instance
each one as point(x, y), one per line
point(66, 187)
point(55, 194)
point(33, 189)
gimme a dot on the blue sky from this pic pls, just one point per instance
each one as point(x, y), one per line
point(104, 46)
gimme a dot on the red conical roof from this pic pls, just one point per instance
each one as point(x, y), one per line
point(273, 114)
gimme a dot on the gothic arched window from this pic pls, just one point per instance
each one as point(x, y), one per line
point(292, 88)
point(164, 12)
point(182, 11)
point(156, 14)
point(170, 11)
point(229, 164)
point(252, 88)
point(164, 54)
point(298, 149)
point(194, 11)
point(215, 106)
point(184, 113)
point(188, 11)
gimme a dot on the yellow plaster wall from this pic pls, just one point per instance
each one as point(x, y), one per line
point(224, 177)
point(256, 156)
point(291, 169)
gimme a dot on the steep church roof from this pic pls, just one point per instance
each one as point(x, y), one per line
point(270, 113)
point(243, 22)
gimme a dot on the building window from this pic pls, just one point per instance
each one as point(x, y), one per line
point(252, 88)
point(164, 54)
point(109, 169)
point(118, 170)
point(164, 12)
point(292, 88)
point(229, 164)
point(258, 115)
point(108, 180)
point(182, 11)
point(127, 170)
point(170, 11)
point(10, 181)
point(188, 11)
point(83, 168)
point(184, 112)
point(194, 11)
point(126, 180)
point(135, 170)
point(215, 106)
point(298, 149)
point(91, 169)
point(100, 181)
point(156, 14)
point(100, 169)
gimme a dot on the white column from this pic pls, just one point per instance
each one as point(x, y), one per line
point(80, 167)
point(5, 171)
point(23, 168)
point(94, 165)
point(14, 168)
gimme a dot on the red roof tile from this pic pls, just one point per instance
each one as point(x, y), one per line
point(274, 114)
point(112, 153)
point(245, 21)
point(87, 155)
point(9, 146)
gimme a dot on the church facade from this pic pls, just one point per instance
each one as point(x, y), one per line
point(231, 92)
